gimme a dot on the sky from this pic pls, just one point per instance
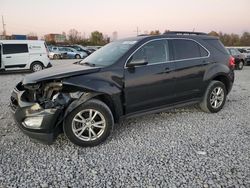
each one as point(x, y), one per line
point(57, 16)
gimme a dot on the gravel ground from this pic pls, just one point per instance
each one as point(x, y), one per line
point(180, 148)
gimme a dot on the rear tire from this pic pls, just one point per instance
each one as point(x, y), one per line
point(89, 124)
point(214, 98)
point(56, 56)
point(36, 66)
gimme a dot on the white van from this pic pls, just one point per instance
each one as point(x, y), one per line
point(23, 54)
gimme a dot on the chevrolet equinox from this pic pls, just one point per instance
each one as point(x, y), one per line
point(125, 78)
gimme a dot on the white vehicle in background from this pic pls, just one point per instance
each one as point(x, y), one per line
point(23, 55)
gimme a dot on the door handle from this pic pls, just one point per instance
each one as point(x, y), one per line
point(8, 57)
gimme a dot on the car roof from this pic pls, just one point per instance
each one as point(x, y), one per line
point(170, 35)
point(21, 41)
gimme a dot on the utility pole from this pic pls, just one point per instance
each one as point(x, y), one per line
point(4, 30)
point(137, 31)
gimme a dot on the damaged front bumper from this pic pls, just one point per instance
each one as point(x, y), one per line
point(36, 122)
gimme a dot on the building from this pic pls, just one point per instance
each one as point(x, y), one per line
point(32, 37)
point(18, 37)
point(57, 38)
point(5, 37)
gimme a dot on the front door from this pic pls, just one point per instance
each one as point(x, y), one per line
point(15, 55)
point(149, 86)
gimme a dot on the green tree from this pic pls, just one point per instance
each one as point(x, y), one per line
point(245, 39)
point(214, 33)
point(96, 38)
point(156, 32)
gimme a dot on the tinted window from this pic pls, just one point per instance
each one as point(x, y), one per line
point(203, 52)
point(217, 45)
point(153, 52)
point(186, 49)
point(15, 48)
point(234, 52)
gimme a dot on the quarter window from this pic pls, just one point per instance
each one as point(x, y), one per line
point(187, 49)
point(153, 52)
point(15, 48)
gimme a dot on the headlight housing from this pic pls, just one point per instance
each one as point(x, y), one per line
point(33, 122)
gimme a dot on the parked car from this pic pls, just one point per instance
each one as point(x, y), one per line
point(80, 48)
point(93, 48)
point(246, 54)
point(123, 79)
point(55, 54)
point(23, 55)
point(73, 53)
point(239, 58)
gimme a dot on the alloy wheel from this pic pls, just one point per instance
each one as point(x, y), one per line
point(217, 97)
point(37, 67)
point(88, 125)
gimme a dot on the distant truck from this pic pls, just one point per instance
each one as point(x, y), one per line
point(19, 37)
point(23, 55)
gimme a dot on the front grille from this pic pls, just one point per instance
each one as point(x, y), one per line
point(13, 103)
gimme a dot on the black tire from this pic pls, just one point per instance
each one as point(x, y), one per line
point(77, 56)
point(93, 104)
point(240, 65)
point(205, 104)
point(55, 56)
point(36, 66)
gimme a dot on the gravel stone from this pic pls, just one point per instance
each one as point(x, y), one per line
point(179, 148)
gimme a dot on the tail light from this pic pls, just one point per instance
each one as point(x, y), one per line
point(231, 62)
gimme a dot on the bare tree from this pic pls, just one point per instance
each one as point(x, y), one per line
point(74, 36)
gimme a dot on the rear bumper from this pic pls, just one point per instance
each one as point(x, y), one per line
point(47, 129)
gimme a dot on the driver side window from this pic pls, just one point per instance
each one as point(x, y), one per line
point(153, 52)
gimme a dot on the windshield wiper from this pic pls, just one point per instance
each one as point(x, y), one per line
point(87, 63)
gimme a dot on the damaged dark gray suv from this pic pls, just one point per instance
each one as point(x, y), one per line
point(130, 77)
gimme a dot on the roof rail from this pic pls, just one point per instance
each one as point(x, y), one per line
point(185, 33)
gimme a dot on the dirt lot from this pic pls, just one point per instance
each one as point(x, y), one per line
point(180, 148)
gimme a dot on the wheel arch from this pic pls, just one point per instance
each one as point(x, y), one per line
point(36, 61)
point(224, 79)
point(219, 72)
point(111, 101)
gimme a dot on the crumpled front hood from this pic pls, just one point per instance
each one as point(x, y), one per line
point(58, 72)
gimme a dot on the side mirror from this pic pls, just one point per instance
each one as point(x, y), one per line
point(137, 63)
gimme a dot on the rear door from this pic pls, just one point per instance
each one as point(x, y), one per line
point(191, 61)
point(150, 86)
point(15, 55)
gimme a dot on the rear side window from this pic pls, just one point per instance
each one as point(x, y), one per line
point(152, 52)
point(188, 49)
point(15, 48)
point(215, 43)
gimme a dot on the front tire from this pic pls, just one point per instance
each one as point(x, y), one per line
point(214, 98)
point(77, 56)
point(89, 124)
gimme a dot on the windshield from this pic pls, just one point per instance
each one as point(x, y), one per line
point(109, 54)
